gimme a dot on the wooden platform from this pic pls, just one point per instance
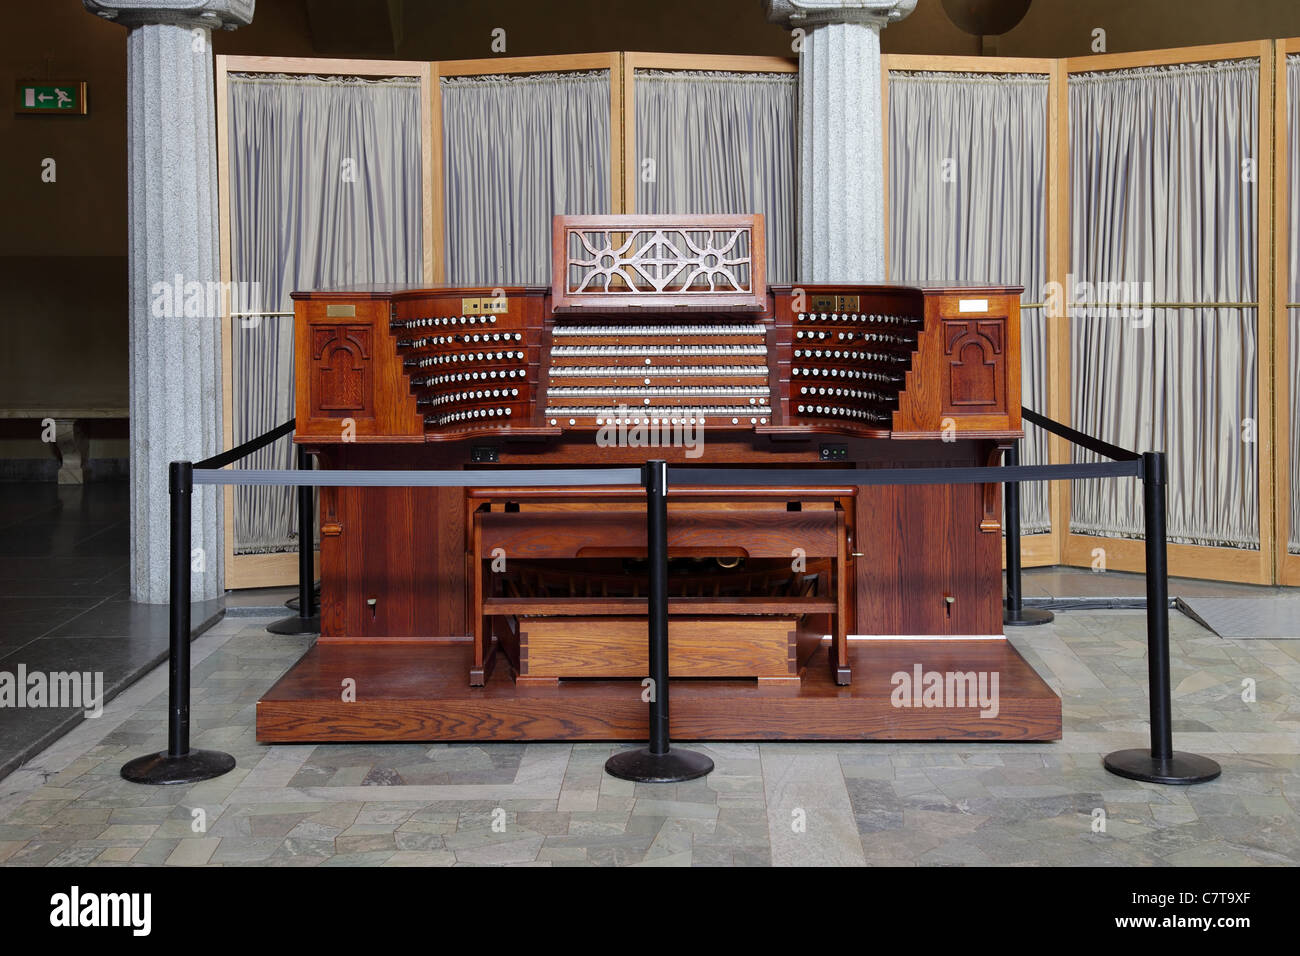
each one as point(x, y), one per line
point(420, 692)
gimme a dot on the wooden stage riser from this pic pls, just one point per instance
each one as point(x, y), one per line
point(419, 693)
point(540, 720)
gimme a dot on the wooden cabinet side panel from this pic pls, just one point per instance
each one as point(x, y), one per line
point(879, 537)
point(921, 544)
point(404, 548)
point(966, 367)
point(333, 564)
point(349, 380)
point(447, 594)
point(983, 614)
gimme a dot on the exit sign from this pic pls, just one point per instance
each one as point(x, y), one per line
point(51, 96)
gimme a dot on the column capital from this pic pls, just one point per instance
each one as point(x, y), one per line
point(816, 13)
point(208, 14)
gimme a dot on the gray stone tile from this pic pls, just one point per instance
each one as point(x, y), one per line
point(897, 804)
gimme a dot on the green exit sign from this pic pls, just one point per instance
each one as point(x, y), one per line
point(51, 96)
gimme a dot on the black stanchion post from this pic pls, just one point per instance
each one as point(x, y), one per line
point(307, 620)
point(658, 763)
point(178, 763)
point(657, 606)
point(1160, 764)
point(1014, 612)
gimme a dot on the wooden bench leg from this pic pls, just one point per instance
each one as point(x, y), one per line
point(482, 666)
point(479, 673)
point(839, 653)
point(841, 673)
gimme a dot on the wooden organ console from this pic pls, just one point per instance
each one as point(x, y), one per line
point(519, 613)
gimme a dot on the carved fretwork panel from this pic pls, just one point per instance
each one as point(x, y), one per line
point(974, 352)
point(706, 262)
point(341, 366)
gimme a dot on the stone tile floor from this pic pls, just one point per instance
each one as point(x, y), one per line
point(65, 601)
point(779, 803)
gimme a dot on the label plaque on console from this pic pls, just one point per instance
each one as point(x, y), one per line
point(341, 311)
point(833, 303)
point(485, 306)
point(973, 305)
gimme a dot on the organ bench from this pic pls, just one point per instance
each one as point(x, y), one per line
point(658, 338)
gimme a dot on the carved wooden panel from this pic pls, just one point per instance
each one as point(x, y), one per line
point(974, 353)
point(652, 262)
point(341, 366)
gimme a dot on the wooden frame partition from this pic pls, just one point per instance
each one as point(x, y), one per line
point(1271, 563)
point(1186, 560)
point(523, 65)
point(1036, 550)
point(684, 62)
point(281, 569)
point(273, 570)
point(1285, 484)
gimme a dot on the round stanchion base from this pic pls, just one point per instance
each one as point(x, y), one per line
point(642, 766)
point(295, 625)
point(1026, 617)
point(293, 603)
point(162, 769)
point(1180, 768)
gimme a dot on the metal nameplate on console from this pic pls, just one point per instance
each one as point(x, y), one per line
point(833, 303)
point(973, 305)
point(485, 306)
point(341, 311)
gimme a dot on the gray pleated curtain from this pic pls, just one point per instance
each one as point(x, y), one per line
point(967, 202)
point(518, 150)
point(1161, 194)
point(713, 142)
point(1293, 288)
point(325, 190)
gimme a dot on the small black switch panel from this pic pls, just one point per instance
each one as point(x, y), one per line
point(484, 454)
point(835, 452)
